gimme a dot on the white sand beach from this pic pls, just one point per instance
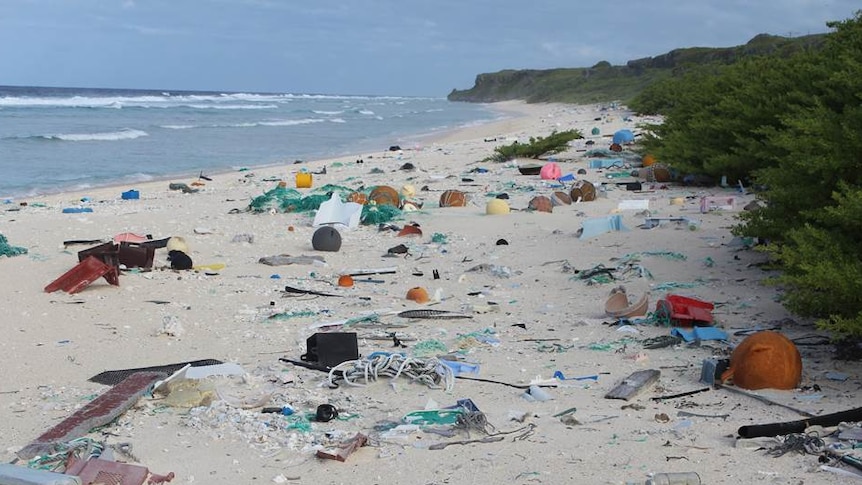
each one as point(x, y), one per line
point(531, 315)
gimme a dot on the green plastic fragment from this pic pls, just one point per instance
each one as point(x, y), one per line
point(433, 416)
point(439, 238)
point(429, 348)
point(289, 315)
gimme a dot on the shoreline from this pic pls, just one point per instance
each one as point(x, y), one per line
point(517, 277)
point(503, 108)
point(513, 110)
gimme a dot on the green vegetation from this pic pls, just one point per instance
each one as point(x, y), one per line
point(790, 126)
point(604, 82)
point(556, 142)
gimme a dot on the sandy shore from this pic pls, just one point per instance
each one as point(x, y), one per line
point(531, 318)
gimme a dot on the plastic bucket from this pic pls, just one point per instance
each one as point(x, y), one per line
point(303, 180)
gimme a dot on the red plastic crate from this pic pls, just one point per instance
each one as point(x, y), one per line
point(82, 275)
point(682, 311)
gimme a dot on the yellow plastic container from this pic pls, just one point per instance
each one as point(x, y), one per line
point(303, 180)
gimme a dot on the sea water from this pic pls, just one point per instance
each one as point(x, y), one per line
point(59, 139)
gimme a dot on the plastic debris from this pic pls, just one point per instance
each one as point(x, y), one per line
point(8, 250)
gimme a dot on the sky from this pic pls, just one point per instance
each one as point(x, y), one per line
point(370, 47)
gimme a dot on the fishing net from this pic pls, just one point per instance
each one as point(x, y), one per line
point(273, 199)
point(341, 190)
point(7, 250)
point(283, 199)
point(378, 214)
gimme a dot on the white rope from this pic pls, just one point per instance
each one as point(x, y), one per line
point(362, 371)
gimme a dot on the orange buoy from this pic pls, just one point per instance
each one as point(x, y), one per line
point(648, 160)
point(385, 195)
point(418, 294)
point(453, 198)
point(541, 203)
point(583, 191)
point(561, 198)
point(765, 360)
point(345, 281)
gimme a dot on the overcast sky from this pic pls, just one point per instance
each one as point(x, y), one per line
point(381, 47)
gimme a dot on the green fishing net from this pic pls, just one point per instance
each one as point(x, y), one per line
point(272, 199)
point(378, 214)
point(283, 199)
point(7, 250)
point(341, 190)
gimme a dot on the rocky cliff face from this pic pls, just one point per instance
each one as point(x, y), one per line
point(604, 82)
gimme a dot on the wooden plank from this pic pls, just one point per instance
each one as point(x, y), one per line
point(634, 384)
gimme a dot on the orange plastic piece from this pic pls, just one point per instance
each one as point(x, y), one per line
point(410, 230)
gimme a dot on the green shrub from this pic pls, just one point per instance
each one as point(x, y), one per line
point(792, 127)
point(556, 142)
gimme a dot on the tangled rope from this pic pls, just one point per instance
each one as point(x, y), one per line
point(474, 420)
point(81, 448)
point(360, 372)
point(811, 444)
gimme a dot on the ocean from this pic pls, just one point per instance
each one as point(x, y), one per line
point(60, 139)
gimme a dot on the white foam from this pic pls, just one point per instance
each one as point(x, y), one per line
point(304, 121)
point(109, 136)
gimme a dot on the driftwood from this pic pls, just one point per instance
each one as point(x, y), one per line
point(634, 384)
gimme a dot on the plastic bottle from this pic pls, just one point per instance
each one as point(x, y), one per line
point(685, 478)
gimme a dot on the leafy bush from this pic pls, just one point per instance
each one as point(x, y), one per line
point(793, 128)
point(556, 142)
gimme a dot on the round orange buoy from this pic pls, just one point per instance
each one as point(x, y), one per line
point(660, 173)
point(561, 198)
point(453, 198)
point(541, 203)
point(385, 195)
point(418, 294)
point(765, 360)
point(358, 197)
point(345, 281)
point(648, 160)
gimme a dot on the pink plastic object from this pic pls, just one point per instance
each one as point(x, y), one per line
point(550, 171)
point(682, 311)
